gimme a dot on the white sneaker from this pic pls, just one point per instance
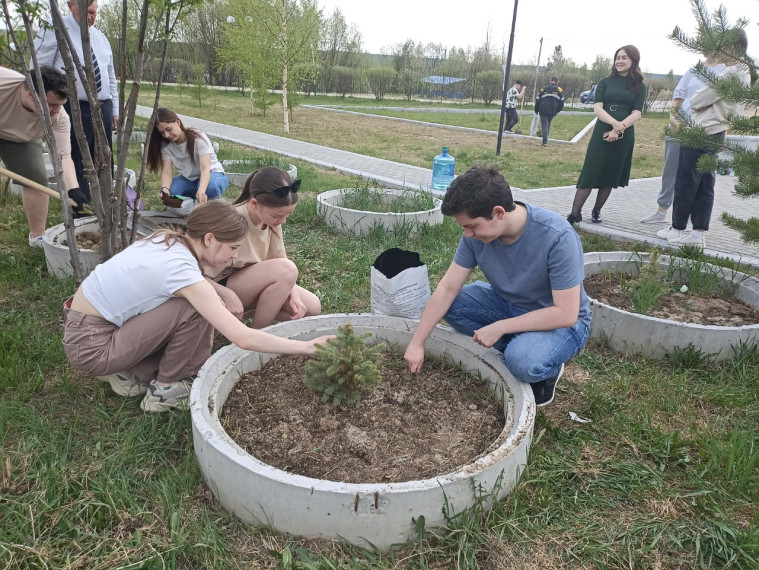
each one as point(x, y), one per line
point(656, 218)
point(125, 383)
point(690, 239)
point(35, 241)
point(672, 234)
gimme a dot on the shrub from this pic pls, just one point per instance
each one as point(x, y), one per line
point(345, 367)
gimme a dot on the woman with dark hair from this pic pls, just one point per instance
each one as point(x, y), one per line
point(154, 335)
point(172, 145)
point(261, 276)
point(619, 100)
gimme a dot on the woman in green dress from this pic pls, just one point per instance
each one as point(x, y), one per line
point(618, 105)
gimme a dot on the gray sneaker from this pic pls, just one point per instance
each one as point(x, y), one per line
point(35, 241)
point(163, 398)
point(656, 218)
point(125, 383)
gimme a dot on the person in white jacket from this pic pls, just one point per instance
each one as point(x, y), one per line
point(694, 190)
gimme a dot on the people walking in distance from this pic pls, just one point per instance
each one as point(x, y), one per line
point(618, 106)
point(548, 104)
point(516, 93)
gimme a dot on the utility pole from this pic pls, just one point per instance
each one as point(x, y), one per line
point(537, 71)
point(507, 71)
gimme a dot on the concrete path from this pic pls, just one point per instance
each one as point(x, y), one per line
point(621, 215)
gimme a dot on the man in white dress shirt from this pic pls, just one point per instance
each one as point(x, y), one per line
point(48, 53)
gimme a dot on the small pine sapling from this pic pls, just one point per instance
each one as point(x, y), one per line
point(344, 367)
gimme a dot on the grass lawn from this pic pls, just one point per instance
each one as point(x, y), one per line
point(666, 475)
point(523, 161)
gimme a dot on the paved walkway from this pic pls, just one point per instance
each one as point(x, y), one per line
point(621, 214)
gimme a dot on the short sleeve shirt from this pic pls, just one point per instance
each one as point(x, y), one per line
point(140, 278)
point(547, 256)
point(179, 156)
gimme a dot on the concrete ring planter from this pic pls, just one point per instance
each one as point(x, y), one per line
point(359, 222)
point(239, 178)
point(654, 337)
point(380, 514)
point(58, 256)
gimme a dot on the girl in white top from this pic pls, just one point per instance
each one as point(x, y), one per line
point(144, 320)
point(172, 145)
point(262, 277)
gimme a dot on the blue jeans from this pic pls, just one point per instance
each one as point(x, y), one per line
point(181, 186)
point(529, 356)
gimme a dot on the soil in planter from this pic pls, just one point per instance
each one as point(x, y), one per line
point(407, 428)
point(86, 240)
point(687, 307)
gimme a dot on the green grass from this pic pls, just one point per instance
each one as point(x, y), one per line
point(665, 476)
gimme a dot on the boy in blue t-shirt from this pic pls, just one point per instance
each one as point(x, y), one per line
point(534, 308)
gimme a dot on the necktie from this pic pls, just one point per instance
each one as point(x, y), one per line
point(98, 78)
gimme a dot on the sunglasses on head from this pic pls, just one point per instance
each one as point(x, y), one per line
point(282, 191)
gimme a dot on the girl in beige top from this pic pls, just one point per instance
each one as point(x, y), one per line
point(262, 276)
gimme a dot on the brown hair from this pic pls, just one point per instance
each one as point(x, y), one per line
point(260, 185)
point(476, 192)
point(218, 217)
point(157, 142)
point(635, 75)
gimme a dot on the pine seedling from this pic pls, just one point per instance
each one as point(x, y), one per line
point(344, 367)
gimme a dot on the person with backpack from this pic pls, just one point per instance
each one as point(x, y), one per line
point(548, 104)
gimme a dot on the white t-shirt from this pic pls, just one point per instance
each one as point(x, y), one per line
point(690, 83)
point(179, 156)
point(139, 279)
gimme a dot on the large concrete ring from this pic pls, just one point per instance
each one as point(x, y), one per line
point(360, 222)
point(378, 514)
point(632, 333)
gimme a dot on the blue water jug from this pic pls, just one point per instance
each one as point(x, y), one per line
point(442, 170)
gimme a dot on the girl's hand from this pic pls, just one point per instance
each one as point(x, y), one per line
point(611, 136)
point(297, 308)
point(322, 341)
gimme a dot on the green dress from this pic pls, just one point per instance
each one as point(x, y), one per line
point(608, 164)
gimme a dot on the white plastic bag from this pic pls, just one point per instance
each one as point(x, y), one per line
point(188, 205)
point(534, 125)
point(400, 284)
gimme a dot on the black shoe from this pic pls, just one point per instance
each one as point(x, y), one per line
point(572, 219)
point(545, 389)
point(595, 216)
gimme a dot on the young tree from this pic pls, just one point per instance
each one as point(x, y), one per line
point(714, 36)
point(108, 189)
point(265, 36)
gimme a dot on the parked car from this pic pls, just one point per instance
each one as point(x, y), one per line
point(588, 96)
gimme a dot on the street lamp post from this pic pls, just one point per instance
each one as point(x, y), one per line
point(507, 71)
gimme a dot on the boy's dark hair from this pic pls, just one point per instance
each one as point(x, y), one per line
point(476, 192)
point(554, 79)
point(52, 80)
